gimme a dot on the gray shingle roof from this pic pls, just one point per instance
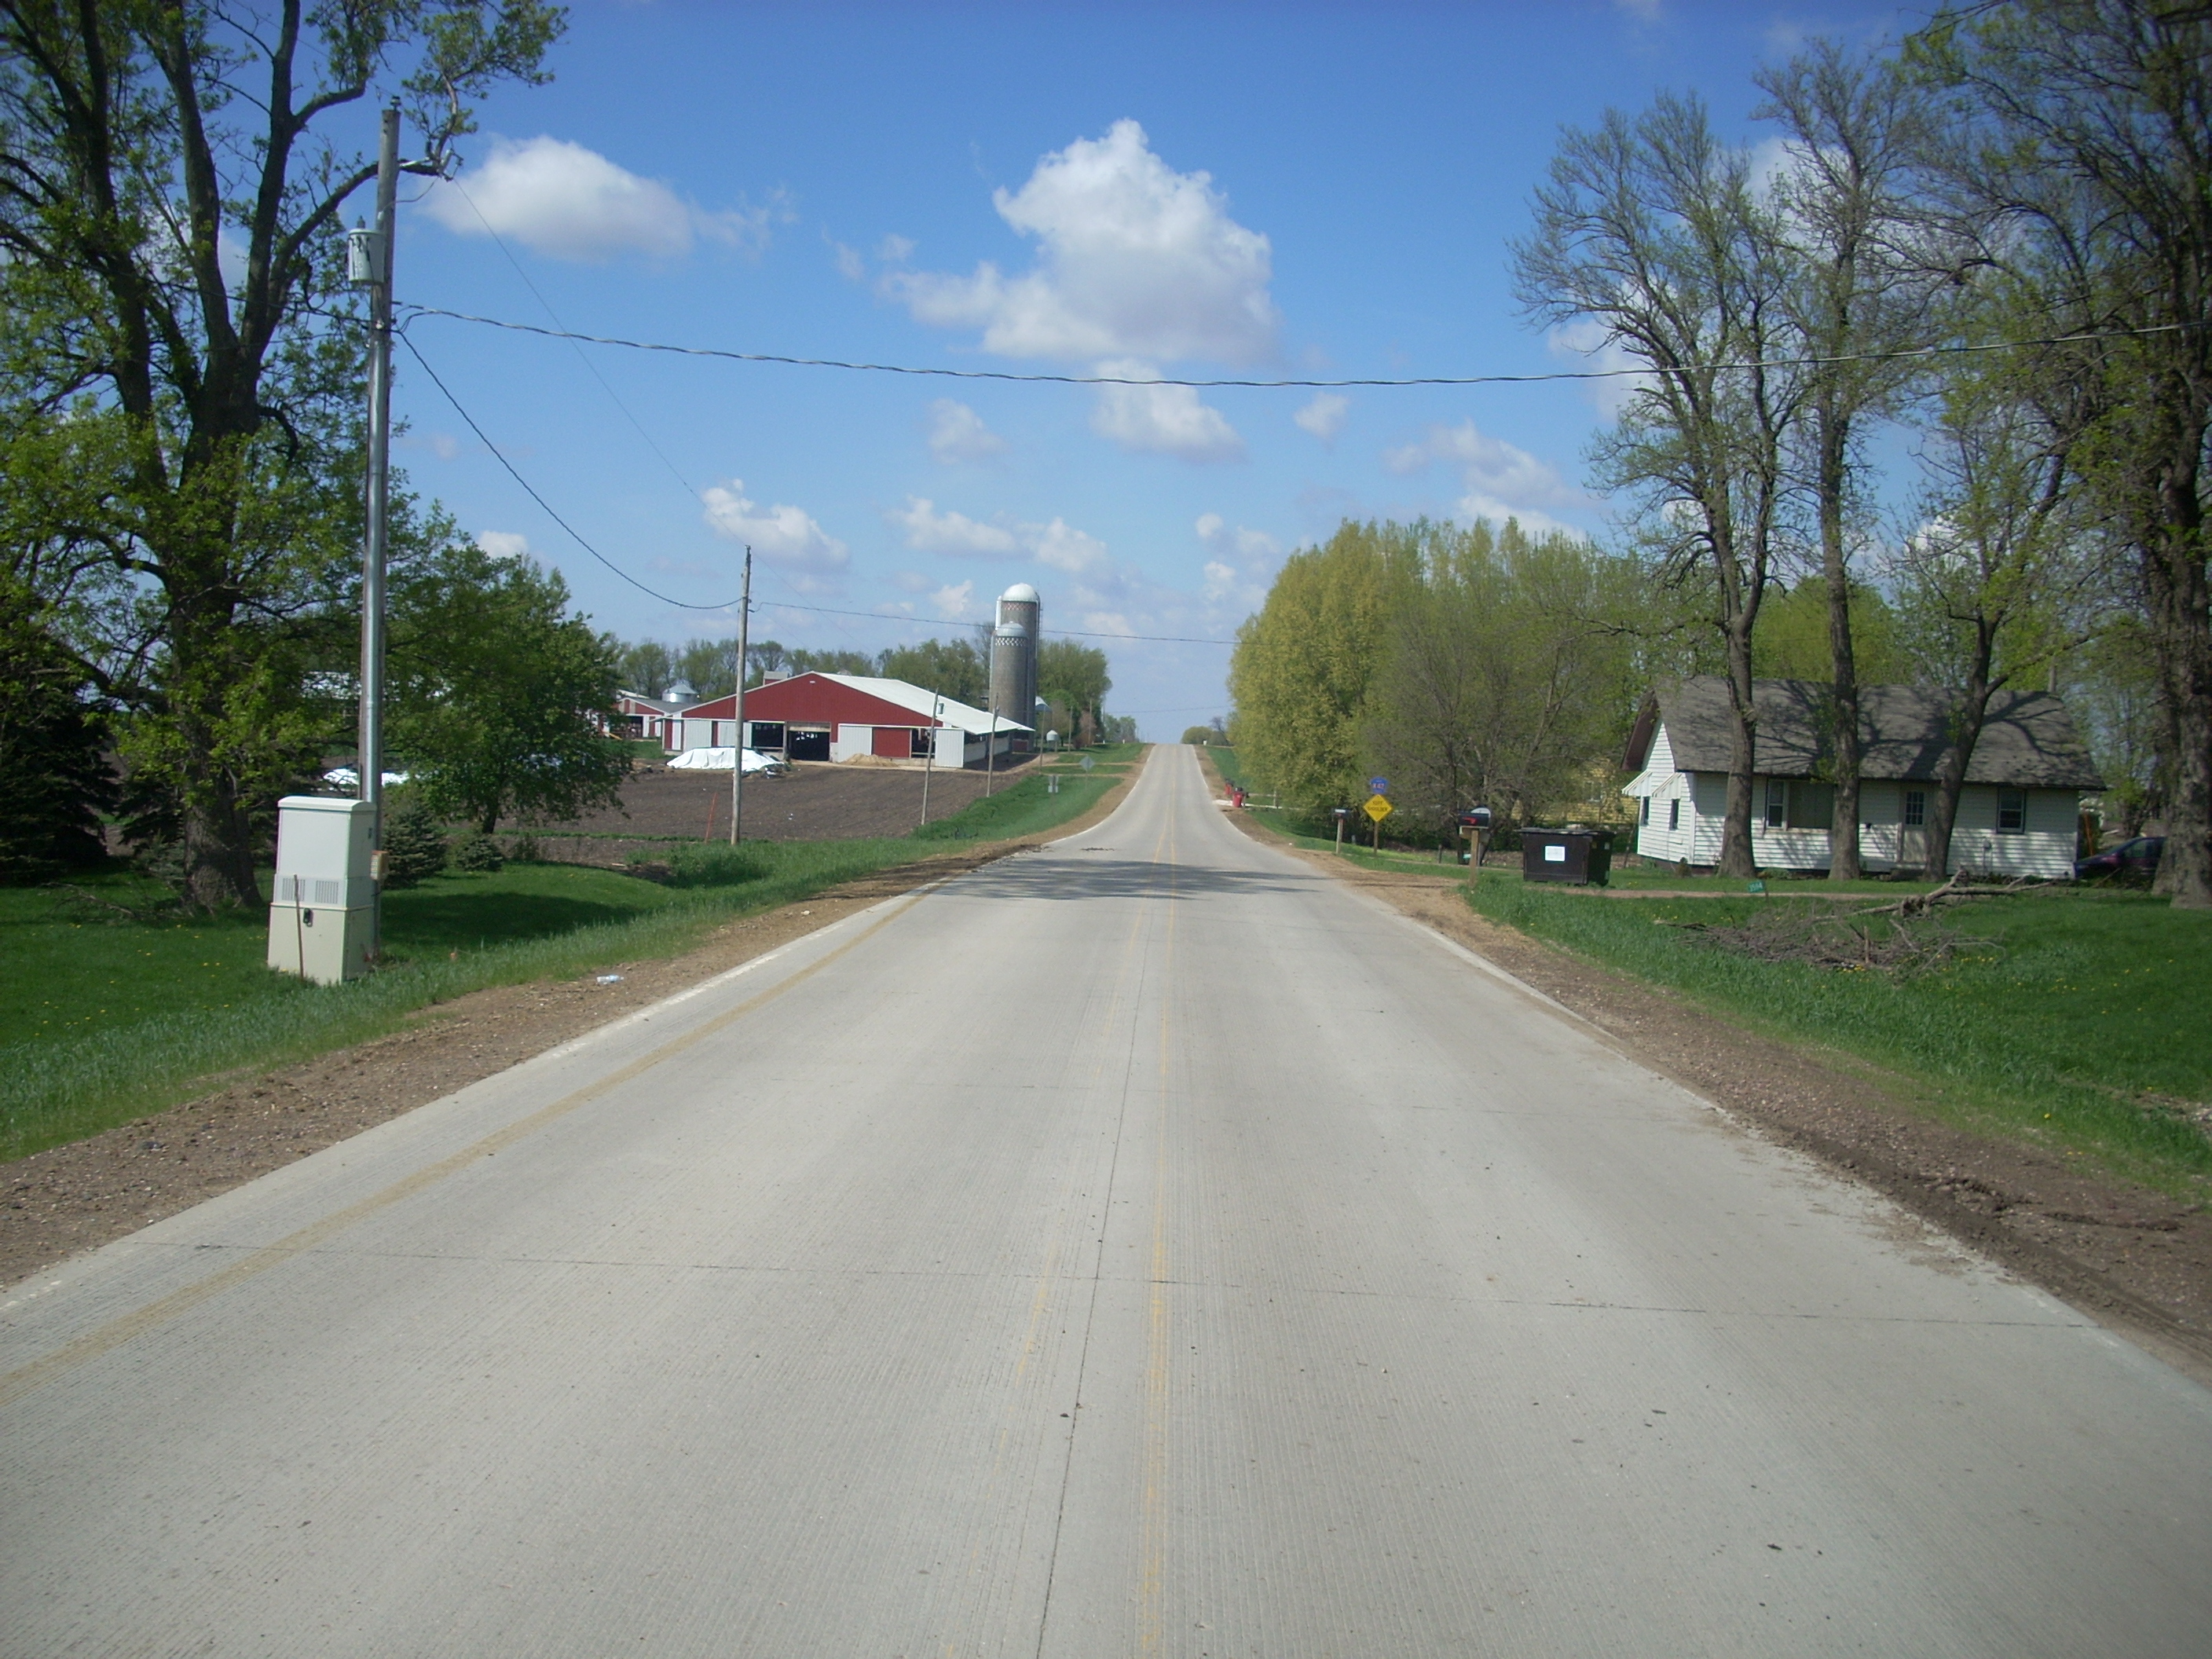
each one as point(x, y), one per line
point(2027, 742)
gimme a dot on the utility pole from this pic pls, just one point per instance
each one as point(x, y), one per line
point(375, 273)
point(745, 637)
point(929, 761)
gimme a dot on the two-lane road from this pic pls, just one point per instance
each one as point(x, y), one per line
point(1145, 1245)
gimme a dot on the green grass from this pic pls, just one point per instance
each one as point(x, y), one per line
point(112, 1017)
point(1025, 809)
point(2083, 1002)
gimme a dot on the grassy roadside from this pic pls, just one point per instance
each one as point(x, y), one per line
point(2071, 1018)
point(2077, 1023)
point(117, 1009)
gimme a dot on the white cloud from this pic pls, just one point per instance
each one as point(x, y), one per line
point(895, 250)
point(504, 543)
point(1162, 420)
point(571, 203)
point(1134, 259)
point(1490, 465)
point(1585, 339)
point(957, 433)
point(1243, 560)
point(1476, 505)
point(1324, 417)
point(1063, 547)
point(955, 535)
point(850, 265)
point(956, 603)
point(783, 535)
point(928, 530)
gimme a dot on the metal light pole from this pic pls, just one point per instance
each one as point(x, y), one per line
point(369, 264)
point(745, 637)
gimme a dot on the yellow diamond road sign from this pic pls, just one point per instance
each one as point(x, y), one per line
point(1377, 808)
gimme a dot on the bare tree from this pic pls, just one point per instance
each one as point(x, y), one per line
point(1859, 288)
point(1987, 575)
point(1650, 226)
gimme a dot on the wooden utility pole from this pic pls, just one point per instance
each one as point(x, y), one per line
point(377, 278)
point(745, 638)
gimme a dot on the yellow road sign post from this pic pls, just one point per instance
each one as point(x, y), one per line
point(1377, 808)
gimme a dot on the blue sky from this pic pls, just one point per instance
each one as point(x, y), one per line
point(1193, 191)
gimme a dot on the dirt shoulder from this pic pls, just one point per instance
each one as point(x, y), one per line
point(2132, 1259)
point(75, 1198)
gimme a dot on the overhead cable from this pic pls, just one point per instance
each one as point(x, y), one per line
point(577, 535)
point(1929, 351)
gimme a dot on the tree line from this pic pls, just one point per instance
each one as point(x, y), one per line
point(1989, 250)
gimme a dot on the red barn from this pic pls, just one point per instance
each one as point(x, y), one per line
point(836, 717)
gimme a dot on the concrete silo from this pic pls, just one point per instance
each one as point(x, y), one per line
point(1011, 668)
point(1019, 604)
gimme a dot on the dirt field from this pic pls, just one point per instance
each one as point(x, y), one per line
point(818, 802)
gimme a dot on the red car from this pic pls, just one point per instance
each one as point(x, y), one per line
point(2135, 860)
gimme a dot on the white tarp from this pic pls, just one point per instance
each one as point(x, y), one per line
point(718, 760)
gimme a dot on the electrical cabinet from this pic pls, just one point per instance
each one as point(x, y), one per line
point(322, 922)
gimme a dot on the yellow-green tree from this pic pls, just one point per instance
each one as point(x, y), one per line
point(1303, 664)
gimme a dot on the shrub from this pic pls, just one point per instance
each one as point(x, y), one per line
point(477, 854)
point(414, 845)
point(715, 864)
point(525, 849)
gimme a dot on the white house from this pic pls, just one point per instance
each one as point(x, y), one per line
point(2019, 810)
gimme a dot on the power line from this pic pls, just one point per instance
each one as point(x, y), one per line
point(1929, 351)
point(577, 535)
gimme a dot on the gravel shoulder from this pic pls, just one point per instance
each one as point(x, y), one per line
point(70, 1199)
point(2135, 1260)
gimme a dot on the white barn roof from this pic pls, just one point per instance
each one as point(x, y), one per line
point(976, 722)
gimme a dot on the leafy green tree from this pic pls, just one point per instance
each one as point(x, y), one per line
point(498, 691)
point(195, 429)
point(1795, 639)
point(54, 780)
point(1303, 664)
point(1203, 736)
point(711, 665)
point(1503, 681)
point(648, 666)
point(952, 667)
point(2073, 159)
point(1073, 679)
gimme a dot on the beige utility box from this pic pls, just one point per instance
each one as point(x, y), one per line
point(323, 920)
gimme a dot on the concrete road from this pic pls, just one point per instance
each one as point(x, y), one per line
point(1141, 1246)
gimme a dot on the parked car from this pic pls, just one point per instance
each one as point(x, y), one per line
point(2135, 860)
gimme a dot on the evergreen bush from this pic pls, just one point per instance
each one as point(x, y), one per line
point(414, 845)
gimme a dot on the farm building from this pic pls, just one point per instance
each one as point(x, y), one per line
point(2019, 812)
point(637, 715)
point(839, 717)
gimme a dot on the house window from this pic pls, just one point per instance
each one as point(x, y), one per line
point(1915, 808)
point(2012, 811)
point(1812, 805)
point(1777, 802)
point(1643, 812)
point(1674, 815)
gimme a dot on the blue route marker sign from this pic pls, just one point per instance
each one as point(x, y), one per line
point(1380, 786)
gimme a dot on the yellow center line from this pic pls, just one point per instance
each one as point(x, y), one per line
point(1154, 1536)
point(106, 1338)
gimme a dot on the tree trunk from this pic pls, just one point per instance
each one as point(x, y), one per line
point(2181, 630)
point(1737, 858)
point(1966, 720)
point(1843, 708)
